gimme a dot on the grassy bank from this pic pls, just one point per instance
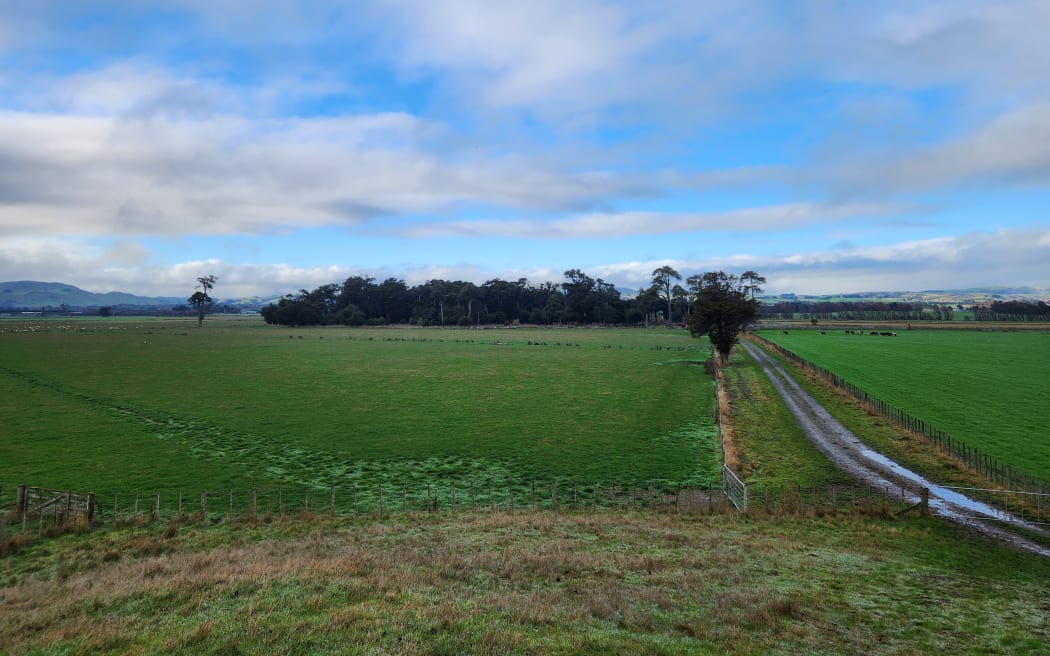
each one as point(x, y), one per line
point(540, 583)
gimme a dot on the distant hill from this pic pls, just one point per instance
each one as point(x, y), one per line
point(970, 296)
point(31, 294)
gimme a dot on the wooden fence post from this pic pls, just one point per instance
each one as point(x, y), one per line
point(204, 504)
point(331, 502)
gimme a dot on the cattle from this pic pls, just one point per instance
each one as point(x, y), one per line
point(823, 333)
point(784, 331)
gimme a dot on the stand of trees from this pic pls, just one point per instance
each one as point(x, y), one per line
point(1012, 311)
point(580, 299)
point(857, 311)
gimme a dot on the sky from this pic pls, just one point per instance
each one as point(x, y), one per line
point(832, 147)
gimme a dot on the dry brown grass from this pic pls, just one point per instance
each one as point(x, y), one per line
point(500, 583)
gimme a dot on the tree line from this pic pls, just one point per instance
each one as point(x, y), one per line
point(904, 311)
point(858, 311)
point(578, 299)
point(1012, 311)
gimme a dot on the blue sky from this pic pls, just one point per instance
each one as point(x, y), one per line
point(830, 146)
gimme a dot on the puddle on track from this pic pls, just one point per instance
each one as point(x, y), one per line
point(939, 496)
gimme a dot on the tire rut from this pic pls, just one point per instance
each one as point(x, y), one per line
point(858, 460)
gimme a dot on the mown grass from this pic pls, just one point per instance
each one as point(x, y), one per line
point(987, 389)
point(141, 406)
point(535, 583)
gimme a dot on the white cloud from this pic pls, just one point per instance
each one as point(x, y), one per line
point(623, 224)
point(231, 175)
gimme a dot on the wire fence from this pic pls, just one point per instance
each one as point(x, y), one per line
point(266, 504)
point(1000, 473)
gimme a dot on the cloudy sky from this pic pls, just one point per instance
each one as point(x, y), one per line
point(830, 146)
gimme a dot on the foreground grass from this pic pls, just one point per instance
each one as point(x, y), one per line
point(540, 583)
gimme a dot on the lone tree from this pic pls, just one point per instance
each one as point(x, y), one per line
point(723, 307)
point(663, 280)
point(200, 299)
point(750, 283)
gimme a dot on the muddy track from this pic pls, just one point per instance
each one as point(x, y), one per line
point(851, 455)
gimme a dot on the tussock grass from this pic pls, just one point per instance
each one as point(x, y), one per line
point(536, 583)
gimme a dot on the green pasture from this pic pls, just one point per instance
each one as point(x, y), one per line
point(144, 405)
point(987, 389)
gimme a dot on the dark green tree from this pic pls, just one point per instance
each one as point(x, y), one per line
point(200, 300)
point(723, 308)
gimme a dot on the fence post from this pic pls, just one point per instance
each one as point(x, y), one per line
point(331, 502)
point(554, 495)
point(204, 505)
point(925, 509)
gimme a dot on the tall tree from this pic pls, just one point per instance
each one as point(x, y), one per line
point(722, 309)
point(750, 282)
point(663, 280)
point(200, 298)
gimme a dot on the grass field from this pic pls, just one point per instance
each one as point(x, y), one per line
point(987, 389)
point(144, 405)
